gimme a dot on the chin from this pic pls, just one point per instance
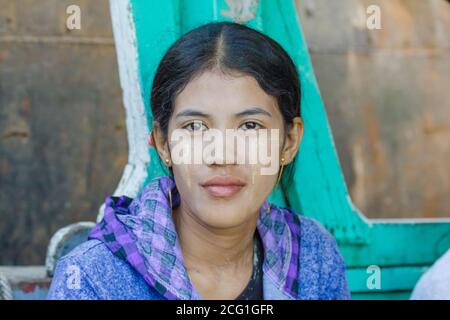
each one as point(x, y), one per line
point(223, 218)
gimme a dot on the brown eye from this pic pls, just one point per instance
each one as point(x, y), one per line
point(251, 125)
point(195, 126)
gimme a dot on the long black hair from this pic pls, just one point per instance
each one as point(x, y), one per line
point(228, 47)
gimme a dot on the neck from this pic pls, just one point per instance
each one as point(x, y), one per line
point(206, 247)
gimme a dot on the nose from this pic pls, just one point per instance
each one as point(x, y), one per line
point(228, 147)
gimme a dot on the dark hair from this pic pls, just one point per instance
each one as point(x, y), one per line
point(229, 47)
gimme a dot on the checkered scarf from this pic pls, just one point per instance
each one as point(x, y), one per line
point(142, 232)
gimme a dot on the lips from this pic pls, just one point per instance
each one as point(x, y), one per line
point(223, 186)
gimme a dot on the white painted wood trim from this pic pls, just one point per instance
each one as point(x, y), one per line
point(135, 172)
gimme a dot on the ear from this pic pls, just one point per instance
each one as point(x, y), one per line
point(294, 137)
point(160, 143)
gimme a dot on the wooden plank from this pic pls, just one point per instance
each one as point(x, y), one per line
point(391, 279)
point(400, 295)
point(394, 244)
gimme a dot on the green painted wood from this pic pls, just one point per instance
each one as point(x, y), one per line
point(403, 251)
point(397, 295)
point(401, 243)
point(392, 279)
point(318, 186)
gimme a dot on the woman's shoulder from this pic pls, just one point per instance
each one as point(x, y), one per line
point(92, 271)
point(93, 258)
point(322, 267)
point(308, 230)
point(91, 250)
point(312, 231)
point(316, 242)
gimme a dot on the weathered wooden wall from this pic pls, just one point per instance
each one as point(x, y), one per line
point(62, 126)
point(387, 96)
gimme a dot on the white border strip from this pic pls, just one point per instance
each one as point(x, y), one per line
point(135, 172)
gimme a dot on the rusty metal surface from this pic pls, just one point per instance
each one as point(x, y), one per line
point(388, 100)
point(62, 126)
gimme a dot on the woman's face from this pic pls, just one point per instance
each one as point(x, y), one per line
point(228, 189)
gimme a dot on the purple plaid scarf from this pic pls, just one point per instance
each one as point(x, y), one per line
point(142, 232)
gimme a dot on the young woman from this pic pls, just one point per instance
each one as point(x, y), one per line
point(207, 231)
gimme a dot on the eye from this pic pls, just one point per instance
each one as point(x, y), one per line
point(250, 125)
point(195, 126)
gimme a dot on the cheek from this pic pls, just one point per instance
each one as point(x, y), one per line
point(260, 185)
point(185, 177)
point(262, 154)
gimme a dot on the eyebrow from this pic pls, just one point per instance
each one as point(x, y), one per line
point(192, 113)
point(253, 111)
point(246, 112)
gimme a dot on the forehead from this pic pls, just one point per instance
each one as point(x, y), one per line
point(212, 91)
